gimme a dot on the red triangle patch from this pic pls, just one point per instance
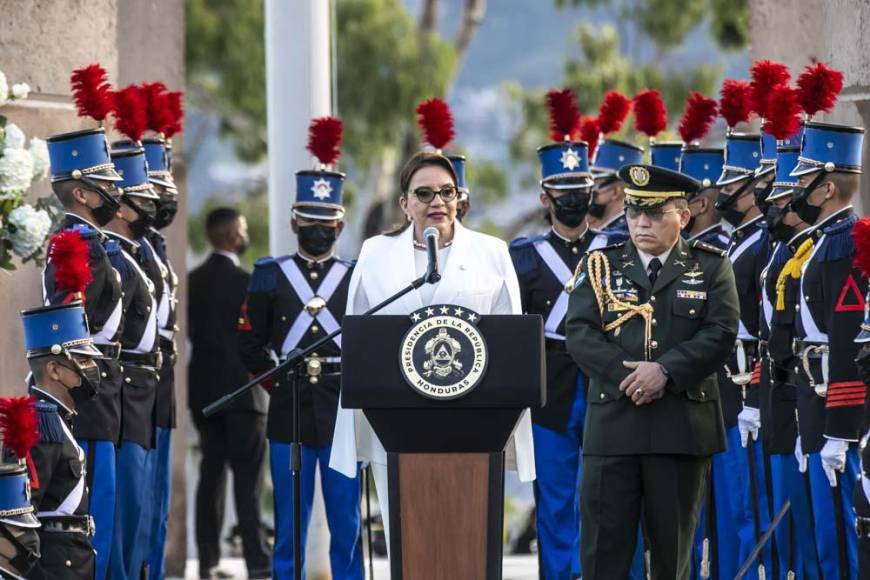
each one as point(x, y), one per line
point(851, 293)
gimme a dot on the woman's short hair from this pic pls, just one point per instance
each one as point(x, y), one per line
point(421, 160)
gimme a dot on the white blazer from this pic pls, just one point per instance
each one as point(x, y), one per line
point(478, 275)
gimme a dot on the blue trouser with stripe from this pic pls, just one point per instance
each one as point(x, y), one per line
point(795, 545)
point(834, 543)
point(558, 465)
point(101, 475)
point(130, 539)
point(748, 540)
point(341, 496)
point(160, 503)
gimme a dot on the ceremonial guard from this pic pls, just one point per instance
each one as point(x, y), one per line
point(61, 354)
point(19, 537)
point(831, 396)
point(703, 164)
point(79, 267)
point(141, 360)
point(862, 490)
point(607, 208)
point(544, 265)
point(164, 121)
point(292, 301)
point(780, 283)
point(650, 321)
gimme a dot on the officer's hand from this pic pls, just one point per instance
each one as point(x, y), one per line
point(799, 455)
point(645, 384)
point(834, 458)
point(748, 422)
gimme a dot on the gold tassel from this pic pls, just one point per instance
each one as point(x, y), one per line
point(792, 268)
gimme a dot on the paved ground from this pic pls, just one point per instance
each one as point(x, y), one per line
point(515, 568)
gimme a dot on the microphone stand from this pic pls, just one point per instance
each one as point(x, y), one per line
point(292, 365)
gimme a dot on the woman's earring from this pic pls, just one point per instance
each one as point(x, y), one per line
point(407, 215)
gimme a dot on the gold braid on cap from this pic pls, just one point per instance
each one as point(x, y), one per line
point(599, 278)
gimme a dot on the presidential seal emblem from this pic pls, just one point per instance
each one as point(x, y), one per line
point(443, 355)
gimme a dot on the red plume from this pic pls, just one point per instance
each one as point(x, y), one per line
point(861, 236)
point(175, 108)
point(19, 425)
point(734, 104)
point(92, 92)
point(564, 115)
point(650, 115)
point(698, 117)
point(130, 117)
point(614, 109)
point(590, 129)
point(818, 87)
point(436, 120)
point(153, 96)
point(70, 256)
point(783, 112)
point(324, 139)
point(765, 74)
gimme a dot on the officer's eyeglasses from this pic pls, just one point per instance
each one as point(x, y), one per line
point(655, 215)
point(427, 194)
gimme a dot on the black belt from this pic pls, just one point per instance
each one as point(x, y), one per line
point(111, 350)
point(72, 524)
point(148, 359)
point(862, 525)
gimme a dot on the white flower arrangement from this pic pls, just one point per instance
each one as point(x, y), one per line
point(24, 227)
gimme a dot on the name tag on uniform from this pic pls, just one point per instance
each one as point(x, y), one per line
point(691, 294)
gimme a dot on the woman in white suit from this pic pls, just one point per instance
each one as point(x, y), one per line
point(476, 273)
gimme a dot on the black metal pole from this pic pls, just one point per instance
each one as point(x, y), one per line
point(756, 551)
point(753, 493)
point(297, 354)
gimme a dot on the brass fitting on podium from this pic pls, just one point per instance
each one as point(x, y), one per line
point(313, 368)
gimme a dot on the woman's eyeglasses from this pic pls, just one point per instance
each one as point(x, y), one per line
point(427, 194)
point(655, 215)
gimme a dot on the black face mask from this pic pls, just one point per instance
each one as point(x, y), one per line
point(26, 549)
point(105, 212)
point(143, 223)
point(761, 194)
point(773, 220)
point(317, 239)
point(166, 210)
point(570, 208)
point(725, 205)
point(89, 386)
point(800, 202)
point(690, 224)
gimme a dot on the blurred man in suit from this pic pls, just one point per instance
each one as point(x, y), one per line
point(237, 435)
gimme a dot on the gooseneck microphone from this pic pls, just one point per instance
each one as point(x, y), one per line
point(431, 235)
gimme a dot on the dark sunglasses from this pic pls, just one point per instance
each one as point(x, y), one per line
point(427, 194)
point(655, 215)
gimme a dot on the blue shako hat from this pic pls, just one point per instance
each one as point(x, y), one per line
point(131, 165)
point(666, 154)
point(157, 154)
point(742, 157)
point(318, 191)
point(565, 165)
point(458, 162)
point(770, 150)
point(611, 155)
point(15, 507)
point(81, 155)
point(703, 164)
point(58, 329)
point(829, 147)
point(786, 160)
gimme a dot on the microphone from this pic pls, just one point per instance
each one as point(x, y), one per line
point(431, 235)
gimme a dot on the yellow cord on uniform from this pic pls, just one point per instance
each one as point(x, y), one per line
point(599, 271)
point(792, 268)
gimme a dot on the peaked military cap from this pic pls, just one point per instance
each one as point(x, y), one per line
point(649, 186)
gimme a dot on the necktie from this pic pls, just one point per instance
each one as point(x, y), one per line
point(654, 266)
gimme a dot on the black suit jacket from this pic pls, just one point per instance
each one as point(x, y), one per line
point(217, 290)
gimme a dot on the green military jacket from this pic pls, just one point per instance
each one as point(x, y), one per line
point(693, 331)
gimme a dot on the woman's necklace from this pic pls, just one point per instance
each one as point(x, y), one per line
point(422, 246)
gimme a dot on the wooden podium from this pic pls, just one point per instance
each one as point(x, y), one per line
point(445, 457)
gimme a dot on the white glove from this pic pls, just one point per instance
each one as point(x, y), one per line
point(748, 421)
point(834, 459)
point(799, 455)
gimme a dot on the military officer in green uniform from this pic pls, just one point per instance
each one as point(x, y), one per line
point(650, 321)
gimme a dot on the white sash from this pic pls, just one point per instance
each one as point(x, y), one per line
point(742, 332)
point(303, 290)
point(766, 306)
point(149, 337)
